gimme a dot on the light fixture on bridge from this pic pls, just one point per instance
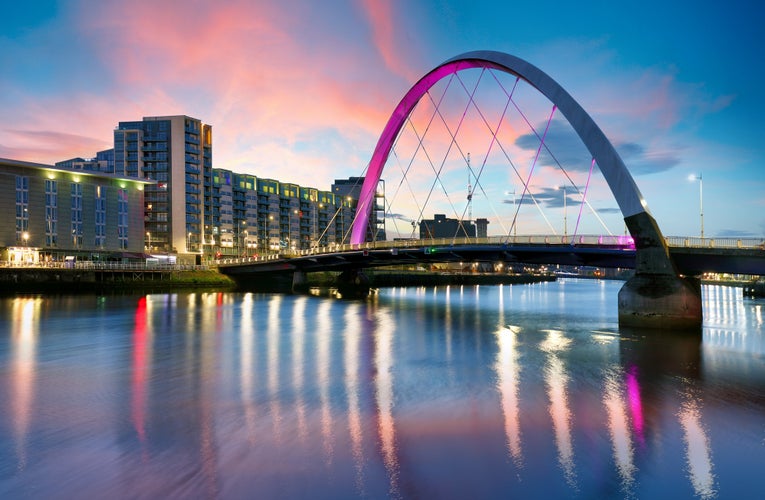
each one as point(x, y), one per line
point(694, 177)
point(565, 211)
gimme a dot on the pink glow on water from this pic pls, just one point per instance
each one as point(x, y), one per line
point(139, 376)
point(636, 406)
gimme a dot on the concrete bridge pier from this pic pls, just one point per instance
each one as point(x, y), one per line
point(299, 281)
point(353, 283)
point(656, 296)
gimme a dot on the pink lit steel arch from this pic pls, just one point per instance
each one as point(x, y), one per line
point(621, 183)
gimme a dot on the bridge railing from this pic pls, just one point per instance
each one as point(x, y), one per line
point(696, 242)
point(110, 266)
point(616, 241)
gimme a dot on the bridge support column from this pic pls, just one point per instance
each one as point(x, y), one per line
point(353, 283)
point(660, 301)
point(657, 297)
point(299, 282)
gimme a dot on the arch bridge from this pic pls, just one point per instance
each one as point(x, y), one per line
point(658, 295)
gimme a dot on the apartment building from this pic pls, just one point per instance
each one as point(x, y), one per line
point(176, 153)
point(61, 214)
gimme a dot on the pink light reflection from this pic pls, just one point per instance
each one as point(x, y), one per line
point(138, 381)
point(636, 405)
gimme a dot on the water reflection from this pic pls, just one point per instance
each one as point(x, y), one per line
point(142, 353)
point(352, 362)
point(441, 392)
point(508, 376)
point(248, 368)
point(24, 337)
point(618, 427)
point(556, 380)
point(697, 452)
point(384, 394)
point(324, 366)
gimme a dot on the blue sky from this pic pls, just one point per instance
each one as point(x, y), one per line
point(300, 90)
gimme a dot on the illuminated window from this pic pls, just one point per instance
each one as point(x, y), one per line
point(51, 212)
point(122, 218)
point(100, 214)
point(22, 206)
point(76, 220)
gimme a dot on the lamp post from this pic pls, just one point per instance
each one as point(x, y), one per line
point(292, 242)
point(266, 233)
point(565, 211)
point(348, 207)
point(515, 219)
point(148, 236)
point(694, 177)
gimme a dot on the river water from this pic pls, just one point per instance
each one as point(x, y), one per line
point(524, 391)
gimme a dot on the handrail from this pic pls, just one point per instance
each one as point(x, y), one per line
point(611, 241)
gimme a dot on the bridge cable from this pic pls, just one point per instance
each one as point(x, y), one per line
point(536, 158)
point(494, 132)
point(555, 159)
point(438, 171)
point(420, 145)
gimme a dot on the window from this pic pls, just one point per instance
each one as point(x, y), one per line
point(122, 218)
point(22, 208)
point(100, 213)
point(76, 215)
point(51, 212)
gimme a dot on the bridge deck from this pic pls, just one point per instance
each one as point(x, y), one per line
point(721, 256)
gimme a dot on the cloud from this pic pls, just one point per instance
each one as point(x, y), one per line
point(387, 40)
point(609, 211)
point(642, 162)
point(564, 149)
point(269, 77)
point(737, 233)
point(42, 143)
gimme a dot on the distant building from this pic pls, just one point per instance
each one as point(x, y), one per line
point(442, 227)
point(62, 213)
point(252, 215)
point(349, 190)
point(482, 227)
point(103, 162)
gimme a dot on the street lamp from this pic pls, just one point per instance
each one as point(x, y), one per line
point(694, 177)
point(266, 233)
point(289, 229)
point(148, 235)
point(515, 213)
point(565, 212)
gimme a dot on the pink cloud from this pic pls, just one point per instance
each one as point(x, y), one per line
point(387, 39)
point(268, 77)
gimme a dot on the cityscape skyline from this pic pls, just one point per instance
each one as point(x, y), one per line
point(301, 92)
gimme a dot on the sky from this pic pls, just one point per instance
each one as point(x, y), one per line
point(300, 91)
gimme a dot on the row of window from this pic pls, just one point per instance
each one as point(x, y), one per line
point(76, 220)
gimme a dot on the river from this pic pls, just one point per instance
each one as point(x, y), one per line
point(523, 391)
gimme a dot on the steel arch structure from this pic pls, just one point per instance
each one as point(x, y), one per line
point(653, 255)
